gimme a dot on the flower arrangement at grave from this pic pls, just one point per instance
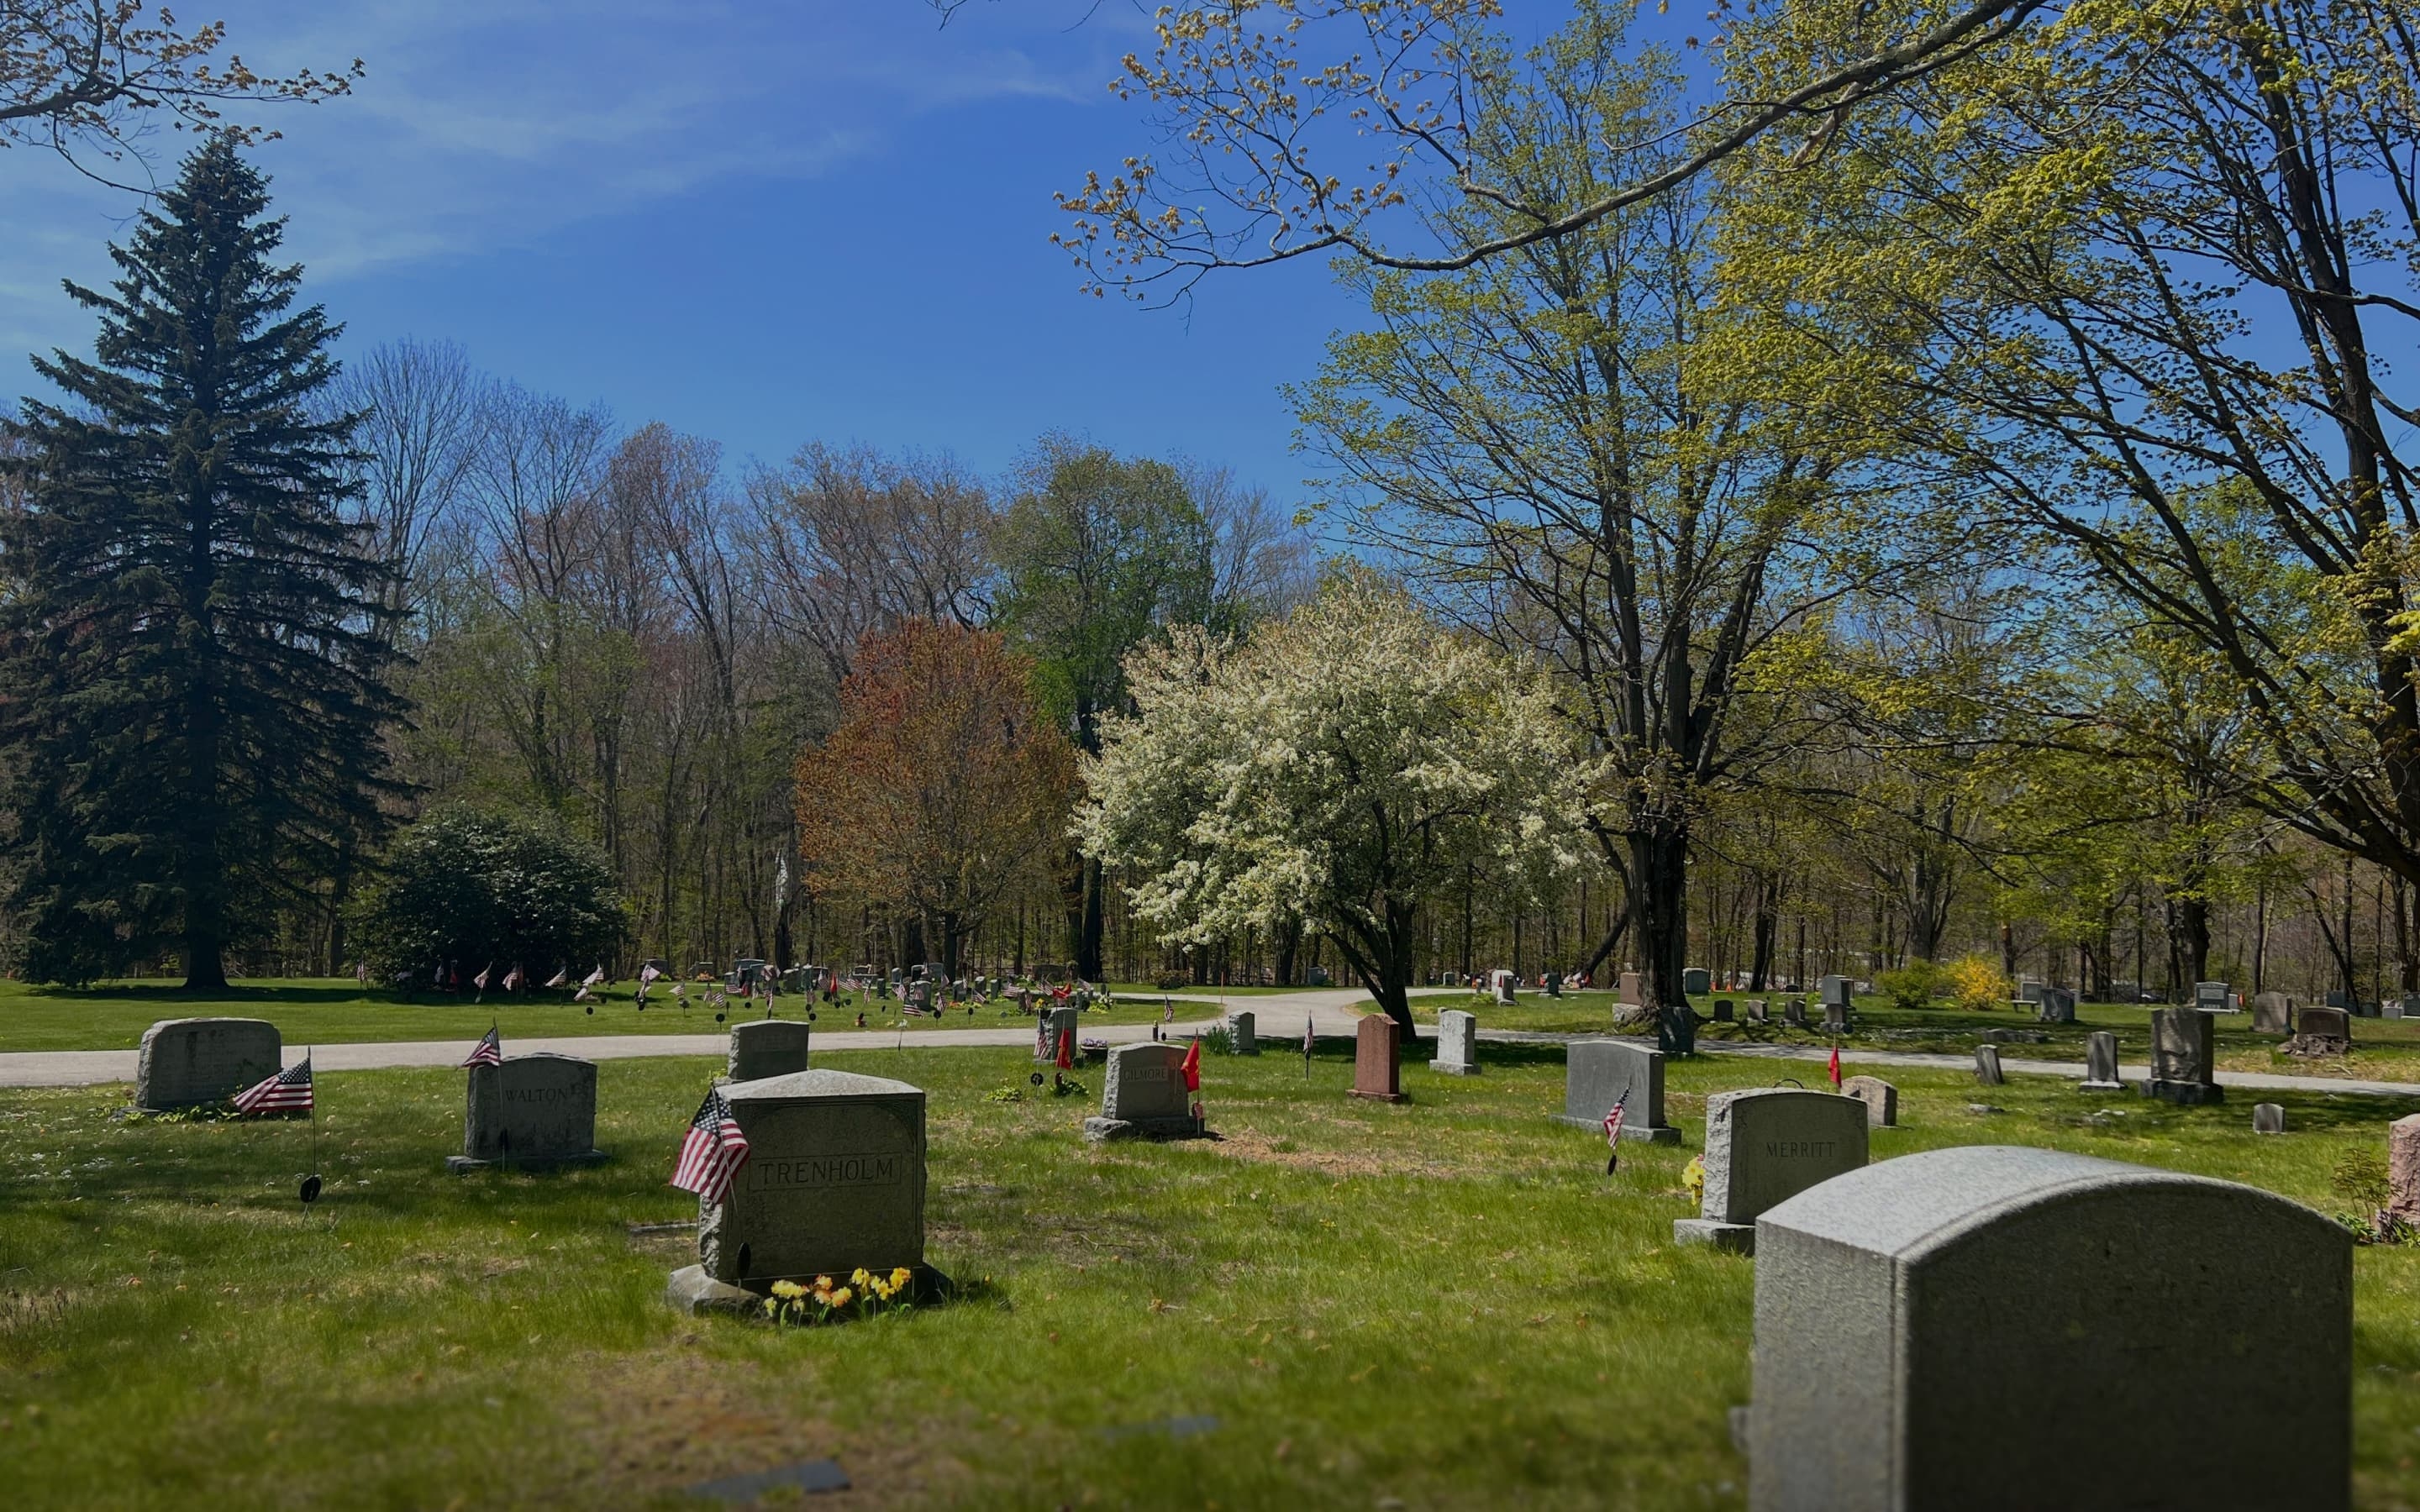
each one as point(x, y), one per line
point(1693, 1179)
point(799, 1305)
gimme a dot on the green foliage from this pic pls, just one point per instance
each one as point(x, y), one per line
point(2359, 1177)
point(193, 693)
point(476, 889)
point(1914, 985)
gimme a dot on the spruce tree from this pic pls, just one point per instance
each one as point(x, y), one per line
point(191, 690)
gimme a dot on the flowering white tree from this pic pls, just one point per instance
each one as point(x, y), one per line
point(1336, 769)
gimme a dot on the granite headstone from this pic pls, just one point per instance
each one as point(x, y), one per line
point(1243, 1032)
point(767, 1048)
point(834, 1179)
point(1598, 1074)
point(1903, 1332)
point(1987, 1065)
point(1880, 1098)
point(1144, 1096)
point(2101, 1062)
point(1376, 1053)
point(1765, 1146)
point(186, 1063)
point(2182, 1068)
point(529, 1111)
point(2272, 1013)
point(1457, 1042)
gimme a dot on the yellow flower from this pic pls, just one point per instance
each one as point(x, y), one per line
point(901, 1276)
point(1693, 1178)
point(788, 1289)
point(861, 1278)
point(823, 1283)
point(840, 1298)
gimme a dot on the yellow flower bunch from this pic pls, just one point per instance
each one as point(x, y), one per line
point(789, 1291)
point(1693, 1176)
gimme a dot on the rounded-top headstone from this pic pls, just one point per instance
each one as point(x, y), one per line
point(1768, 1144)
point(186, 1063)
point(1908, 1313)
point(1145, 1083)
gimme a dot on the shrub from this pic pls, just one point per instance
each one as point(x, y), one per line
point(480, 889)
point(1912, 986)
point(1977, 983)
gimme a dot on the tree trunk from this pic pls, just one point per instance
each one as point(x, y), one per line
point(1659, 901)
point(2193, 938)
point(1088, 942)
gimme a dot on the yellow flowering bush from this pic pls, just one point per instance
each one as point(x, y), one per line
point(1977, 984)
point(864, 1294)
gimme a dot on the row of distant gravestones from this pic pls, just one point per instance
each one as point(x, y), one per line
point(1994, 1326)
point(1974, 1327)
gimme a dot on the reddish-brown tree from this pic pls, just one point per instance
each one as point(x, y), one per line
point(944, 786)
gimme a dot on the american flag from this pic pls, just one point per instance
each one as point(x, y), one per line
point(594, 978)
point(480, 981)
point(513, 978)
point(713, 1151)
point(646, 973)
point(284, 1092)
point(490, 1051)
point(561, 978)
point(1613, 1134)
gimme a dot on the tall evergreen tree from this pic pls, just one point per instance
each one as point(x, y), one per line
point(192, 693)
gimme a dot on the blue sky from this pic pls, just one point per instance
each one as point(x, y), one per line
point(765, 225)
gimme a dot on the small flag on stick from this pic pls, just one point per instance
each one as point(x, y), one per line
point(489, 1052)
point(1613, 1134)
point(712, 1152)
point(288, 1091)
point(1066, 1050)
point(513, 978)
point(1192, 1067)
point(561, 978)
point(1306, 1047)
point(480, 981)
point(1835, 1067)
point(594, 978)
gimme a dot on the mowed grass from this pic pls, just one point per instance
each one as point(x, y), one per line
point(1440, 1304)
point(2385, 1050)
point(112, 1015)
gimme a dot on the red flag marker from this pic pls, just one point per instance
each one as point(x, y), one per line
point(1836, 1065)
point(1192, 1068)
point(1066, 1051)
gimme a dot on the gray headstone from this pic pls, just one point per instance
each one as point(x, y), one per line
point(1836, 1017)
point(2030, 989)
point(1880, 1098)
point(2268, 1118)
point(1765, 1146)
point(1501, 982)
point(1759, 1011)
point(1632, 989)
point(834, 1179)
point(767, 1048)
point(2101, 1062)
point(186, 1063)
point(1599, 1073)
point(1722, 1010)
point(1987, 1065)
point(1457, 1044)
point(2212, 996)
point(1794, 1013)
point(2057, 1005)
point(1146, 1083)
point(1833, 990)
point(1697, 981)
point(536, 1109)
point(2403, 1167)
point(1243, 1032)
point(2183, 1070)
point(1057, 1024)
point(2272, 1013)
point(1903, 1329)
point(2338, 997)
point(2396, 1007)
point(2321, 1031)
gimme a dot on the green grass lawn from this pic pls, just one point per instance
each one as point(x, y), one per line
point(1442, 1303)
point(112, 1015)
point(2386, 1050)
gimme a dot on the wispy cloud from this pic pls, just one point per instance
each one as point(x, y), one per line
point(485, 125)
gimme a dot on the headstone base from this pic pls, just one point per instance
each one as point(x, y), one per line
point(691, 1291)
point(1454, 1068)
point(1668, 1134)
point(1378, 1096)
point(2185, 1094)
point(1101, 1131)
point(464, 1164)
point(2103, 1086)
point(1735, 1239)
